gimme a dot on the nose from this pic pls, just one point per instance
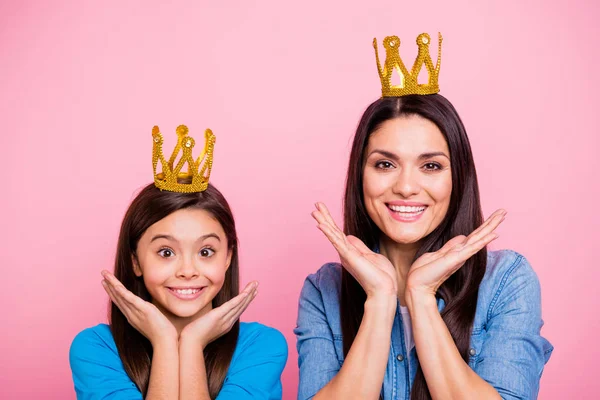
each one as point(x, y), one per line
point(407, 184)
point(187, 269)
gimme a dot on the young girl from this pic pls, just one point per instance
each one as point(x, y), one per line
point(174, 331)
point(418, 309)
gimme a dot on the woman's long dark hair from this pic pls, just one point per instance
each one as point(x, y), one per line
point(150, 206)
point(464, 215)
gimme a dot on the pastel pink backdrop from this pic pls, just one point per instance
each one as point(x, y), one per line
point(283, 86)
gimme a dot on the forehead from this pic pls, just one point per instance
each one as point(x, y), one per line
point(408, 136)
point(186, 224)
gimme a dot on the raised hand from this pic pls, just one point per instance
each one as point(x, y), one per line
point(220, 320)
point(430, 270)
point(142, 315)
point(375, 273)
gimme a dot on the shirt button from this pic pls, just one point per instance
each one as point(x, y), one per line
point(400, 357)
point(472, 351)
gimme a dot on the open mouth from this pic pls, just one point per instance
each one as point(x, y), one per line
point(188, 293)
point(406, 213)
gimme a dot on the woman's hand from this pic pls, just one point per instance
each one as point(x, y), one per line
point(375, 273)
point(142, 315)
point(430, 270)
point(220, 320)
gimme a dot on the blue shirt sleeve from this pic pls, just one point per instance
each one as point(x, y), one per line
point(97, 369)
point(317, 359)
point(256, 366)
point(513, 353)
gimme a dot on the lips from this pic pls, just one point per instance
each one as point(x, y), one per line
point(406, 212)
point(186, 293)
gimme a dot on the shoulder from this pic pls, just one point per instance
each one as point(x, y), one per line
point(93, 349)
point(261, 338)
point(259, 346)
point(95, 340)
point(506, 266)
point(327, 279)
point(509, 283)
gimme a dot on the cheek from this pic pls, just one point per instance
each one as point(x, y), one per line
point(155, 275)
point(215, 270)
point(374, 185)
point(441, 190)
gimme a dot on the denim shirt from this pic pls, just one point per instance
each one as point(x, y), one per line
point(506, 348)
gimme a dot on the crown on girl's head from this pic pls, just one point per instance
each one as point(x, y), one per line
point(171, 178)
point(409, 83)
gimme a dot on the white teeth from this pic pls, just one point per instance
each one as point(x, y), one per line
point(407, 209)
point(187, 291)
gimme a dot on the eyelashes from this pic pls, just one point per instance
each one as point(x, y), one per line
point(429, 166)
point(167, 252)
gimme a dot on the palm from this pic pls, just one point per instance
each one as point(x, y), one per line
point(372, 271)
point(430, 270)
point(220, 320)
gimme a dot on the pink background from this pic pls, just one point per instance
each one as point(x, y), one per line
point(283, 86)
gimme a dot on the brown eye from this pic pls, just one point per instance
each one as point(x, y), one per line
point(383, 165)
point(432, 166)
point(166, 253)
point(206, 252)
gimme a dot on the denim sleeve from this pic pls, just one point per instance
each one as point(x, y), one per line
point(256, 373)
point(317, 359)
point(513, 354)
point(97, 370)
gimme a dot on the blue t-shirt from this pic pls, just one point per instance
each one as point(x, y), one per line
point(254, 372)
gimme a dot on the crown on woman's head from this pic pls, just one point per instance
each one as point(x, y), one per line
point(198, 171)
point(409, 83)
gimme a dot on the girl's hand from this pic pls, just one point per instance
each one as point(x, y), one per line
point(430, 270)
point(374, 272)
point(220, 320)
point(142, 315)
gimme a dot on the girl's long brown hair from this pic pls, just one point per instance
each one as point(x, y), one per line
point(464, 215)
point(150, 206)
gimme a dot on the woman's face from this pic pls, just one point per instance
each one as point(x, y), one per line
point(407, 179)
point(183, 259)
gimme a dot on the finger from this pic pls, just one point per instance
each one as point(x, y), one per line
point(339, 242)
point(489, 227)
point(497, 213)
point(452, 243)
point(469, 249)
point(324, 221)
point(453, 260)
point(122, 292)
point(325, 211)
point(235, 313)
point(226, 307)
point(116, 299)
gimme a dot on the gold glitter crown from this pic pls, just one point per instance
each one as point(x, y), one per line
point(409, 83)
point(171, 178)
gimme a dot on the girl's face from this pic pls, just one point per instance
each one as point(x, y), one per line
point(183, 259)
point(407, 180)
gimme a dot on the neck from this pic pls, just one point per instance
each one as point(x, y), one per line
point(401, 256)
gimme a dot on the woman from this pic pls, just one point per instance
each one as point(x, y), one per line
point(174, 331)
point(418, 308)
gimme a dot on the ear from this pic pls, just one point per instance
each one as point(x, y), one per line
point(136, 265)
point(229, 257)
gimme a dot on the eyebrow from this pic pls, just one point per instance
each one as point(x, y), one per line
point(171, 238)
point(394, 157)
